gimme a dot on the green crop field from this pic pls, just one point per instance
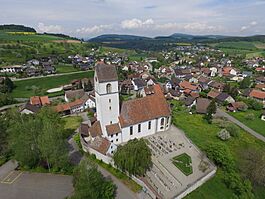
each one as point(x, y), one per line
point(202, 134)
point(28, 88)
point(248, 49)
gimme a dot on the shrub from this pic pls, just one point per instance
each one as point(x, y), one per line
point(221, 155)
point(224, 135)
point(233, 129)
point(250, 116)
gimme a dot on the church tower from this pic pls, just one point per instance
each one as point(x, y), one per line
point(107, 95)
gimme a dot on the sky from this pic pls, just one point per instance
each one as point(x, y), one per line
point(89, 18)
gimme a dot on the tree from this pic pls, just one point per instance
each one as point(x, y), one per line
point(3, 136)
point(23, 133)
point(89, 183)
point(133, 157)
point(7, 85)
point(51, 141)
point(253, 165)
point(245, 83)
point(211, 109)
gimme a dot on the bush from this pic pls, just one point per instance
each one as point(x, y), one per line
point(224, 135)
point(233, 129)
point(250, 116)
point(221, 155)
point(241, 188)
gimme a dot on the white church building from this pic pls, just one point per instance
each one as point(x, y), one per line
point(135, 118)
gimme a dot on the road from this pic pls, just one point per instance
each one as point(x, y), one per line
point(39, 77)
point(240, 124)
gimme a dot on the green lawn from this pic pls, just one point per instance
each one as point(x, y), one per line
point(27, 88)
point(257, 124)
point(202, 134)
point(212, 189)
point(72, 122)
point(183, 163)
point(66, 68)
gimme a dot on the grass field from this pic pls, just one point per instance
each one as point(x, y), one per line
point(182, 162)
point(27, 88)
point(66, 68)
point(257, 124)
point(202, 134)
point(249, 49)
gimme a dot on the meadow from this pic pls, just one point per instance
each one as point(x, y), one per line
point(255, 123)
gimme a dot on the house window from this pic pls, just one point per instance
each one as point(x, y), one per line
point(131, 130)
point(111, 136)
point(117, 140)
point(109, 100)
point(110, 122)
point(116, 134)
point(162, 122)
point(139, 128)
point(108, 88)
point(149, 125)
point(110, 108)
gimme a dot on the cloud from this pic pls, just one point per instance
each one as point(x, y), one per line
point(136, 23)
point(193, 27)
point(49, 28)
point(94, 29)
point(250, 25)
point(150, 7)
point(253, 23)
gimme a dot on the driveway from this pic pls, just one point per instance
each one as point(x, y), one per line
point(222, 113)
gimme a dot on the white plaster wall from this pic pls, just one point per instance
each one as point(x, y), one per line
point(144, 131)
point(106, 115)
point(116, 139)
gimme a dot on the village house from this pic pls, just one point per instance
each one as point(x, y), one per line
point(11, 69)
point(202, 105)
point(29, 109)
point(237, 106)
point(258, 95)
point(225, 98)
point(39, 101)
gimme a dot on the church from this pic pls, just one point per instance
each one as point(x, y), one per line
point(118, 123)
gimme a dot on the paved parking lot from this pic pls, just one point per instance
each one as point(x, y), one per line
point(25, 185)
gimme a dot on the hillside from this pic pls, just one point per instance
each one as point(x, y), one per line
point(19, 44)
point(162, 42)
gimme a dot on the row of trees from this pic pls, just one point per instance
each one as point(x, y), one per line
point(36, 140)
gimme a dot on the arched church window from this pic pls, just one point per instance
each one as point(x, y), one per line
point(108, 88)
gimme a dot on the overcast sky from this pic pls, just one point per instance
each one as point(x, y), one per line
point(88, 18)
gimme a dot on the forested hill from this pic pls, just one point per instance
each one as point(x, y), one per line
point(18, 28)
